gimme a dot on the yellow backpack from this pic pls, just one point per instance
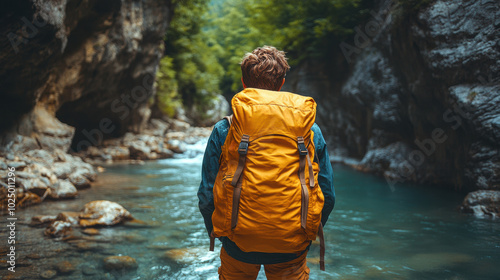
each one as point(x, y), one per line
point(266, 194)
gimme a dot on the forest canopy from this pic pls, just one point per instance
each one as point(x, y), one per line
point(207, 39)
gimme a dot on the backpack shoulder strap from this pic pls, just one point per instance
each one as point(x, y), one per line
point(229, 119)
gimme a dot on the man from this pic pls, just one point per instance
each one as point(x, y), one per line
point(264, 69)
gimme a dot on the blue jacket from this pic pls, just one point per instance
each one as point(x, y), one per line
point(209, 173)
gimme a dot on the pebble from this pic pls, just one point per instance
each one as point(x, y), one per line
point(48, 274)
point(88, 269)
point(119, 263)
point(91, 231)
point(65, 267)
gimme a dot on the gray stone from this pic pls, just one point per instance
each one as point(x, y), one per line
point(63, 189)
point(48, 274)
point(482, 203)
point(120, 263)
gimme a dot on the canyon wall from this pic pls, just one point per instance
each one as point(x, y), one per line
point(414, 95)
point(75, 72)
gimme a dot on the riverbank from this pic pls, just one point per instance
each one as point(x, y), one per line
point(47, 171)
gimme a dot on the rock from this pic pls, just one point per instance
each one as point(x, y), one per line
point(65, 267)
point(91, 231)
point(416, 95)
point(176, 146)
point(117, 152)
point(209, 114)
point(51, 133)
point(103, 212)
point(156, 127)
point(70, 217)
point(41, 172)
point(88, 246)
point(34, 185)
point(28, 198)
point(62, 169)
point(63, 189)
point(436, 261)
point(80, 179)
point(120, 263)
point(42, 219)
point(40, 156)
point(139, 150)
point(15, 164)
point(88, 269)
point(48, 274)
point(178, 125)
point(482, 203)
point(58, 229)
point(190, 255)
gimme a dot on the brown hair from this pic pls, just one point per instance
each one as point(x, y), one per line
point(264, 68)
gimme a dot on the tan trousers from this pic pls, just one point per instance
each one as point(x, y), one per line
point(232, 269)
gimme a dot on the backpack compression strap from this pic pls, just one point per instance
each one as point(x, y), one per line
point(321, 247)
point(304, 156)
point(236, 182)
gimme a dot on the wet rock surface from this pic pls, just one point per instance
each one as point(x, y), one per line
point(483, 203)
point(103, 213)
point(94, 213)
point(55, 174)
point(161, 139)
point(120, 263)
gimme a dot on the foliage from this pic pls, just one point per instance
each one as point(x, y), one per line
point(304, 29)
point(167, 88)
point(308, 28)
point(207, 39)
point(189, 64)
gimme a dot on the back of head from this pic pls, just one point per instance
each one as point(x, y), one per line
point(264, 68)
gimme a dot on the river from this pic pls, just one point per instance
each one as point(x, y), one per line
point(374, 232)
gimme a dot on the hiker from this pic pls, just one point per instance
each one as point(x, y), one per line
point(261, 170)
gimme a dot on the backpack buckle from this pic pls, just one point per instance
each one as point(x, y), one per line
point(243, 147)
point(301, 146)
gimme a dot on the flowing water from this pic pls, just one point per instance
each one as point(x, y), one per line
point(374, 232)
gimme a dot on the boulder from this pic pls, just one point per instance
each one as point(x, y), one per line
point(103, 213)
point(482, 203)
point(176, 146)
point(63, 189)
point(61, 169)
point(139, 150)
point(80, 179)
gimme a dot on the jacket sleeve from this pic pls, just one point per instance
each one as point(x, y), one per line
point(325, 176)
point(209, 170)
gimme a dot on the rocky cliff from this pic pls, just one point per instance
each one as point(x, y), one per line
point(73, 74)
point(88, 64)
point(414, 95)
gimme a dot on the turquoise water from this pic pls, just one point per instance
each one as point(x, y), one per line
point(374, 232)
